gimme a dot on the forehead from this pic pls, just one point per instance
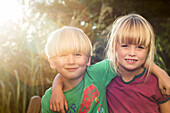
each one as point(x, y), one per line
point(72, 49)
point(71, 52)
point(72, 42)
point(134, 30)
point(134, 35)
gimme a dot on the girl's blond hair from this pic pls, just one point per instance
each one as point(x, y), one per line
point(68, 40)
point(131, 29)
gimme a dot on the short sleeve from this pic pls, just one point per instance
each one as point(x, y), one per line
point(164, 100)
point(45, 102)
point(160, 98)
point(102, 71)
point(158, 95)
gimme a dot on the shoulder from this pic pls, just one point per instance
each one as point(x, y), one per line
point(153, 79)
point(48, 92)
point(45, 101)
point(152, 83)
point(100, 65)
point(46, 97)
point(101, 72)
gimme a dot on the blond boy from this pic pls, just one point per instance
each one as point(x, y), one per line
point(69, 52)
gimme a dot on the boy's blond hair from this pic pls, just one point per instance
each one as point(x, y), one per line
point(68, 40)
point(132, 29)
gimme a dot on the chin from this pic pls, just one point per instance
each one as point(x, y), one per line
point(133, 68)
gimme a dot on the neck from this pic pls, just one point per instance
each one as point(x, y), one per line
point(69, 84)
point(128, 75)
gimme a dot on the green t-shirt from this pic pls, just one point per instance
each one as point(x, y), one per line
point(89, 96)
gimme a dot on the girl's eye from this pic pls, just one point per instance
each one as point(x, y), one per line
point(140, 47)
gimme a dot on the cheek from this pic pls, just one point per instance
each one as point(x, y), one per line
point(83, 63)
point(143, 56)
point(59, 64)
point(119, 54)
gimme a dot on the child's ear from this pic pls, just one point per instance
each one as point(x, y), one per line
point(89, 61)
point(52, 65)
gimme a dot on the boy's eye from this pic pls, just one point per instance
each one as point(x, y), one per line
point(62, 56)
point(124, 45)
point(77, 54)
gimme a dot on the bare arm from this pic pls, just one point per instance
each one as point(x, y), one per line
point(163, 79)
point(165, 107)
point(58, 100)
point(57, 81)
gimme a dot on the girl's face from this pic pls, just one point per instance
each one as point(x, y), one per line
point(130, 57)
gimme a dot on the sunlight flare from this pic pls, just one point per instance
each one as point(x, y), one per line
point(9, 11)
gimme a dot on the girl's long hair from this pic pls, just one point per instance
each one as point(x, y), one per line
point(131, 29)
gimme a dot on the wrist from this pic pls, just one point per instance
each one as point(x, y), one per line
point(56, 89)
point(156, 70)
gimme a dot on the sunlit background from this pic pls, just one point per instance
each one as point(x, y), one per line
point(10, 10)
point(26, 24)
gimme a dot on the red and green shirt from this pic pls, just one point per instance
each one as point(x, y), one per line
point(89, 96)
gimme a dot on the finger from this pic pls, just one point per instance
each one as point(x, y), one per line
point(66, 105)
point(62, 110)
point(163, 92)
point(52, 107)
point(57, 107)
point(62, 107)
point(167, 92)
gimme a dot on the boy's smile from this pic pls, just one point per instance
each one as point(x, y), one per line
point(71, 69)
point(72, 66)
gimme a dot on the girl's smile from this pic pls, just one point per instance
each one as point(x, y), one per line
point(130, 56)
point(131, 61)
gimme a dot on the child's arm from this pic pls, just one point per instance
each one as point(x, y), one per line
point(165, 107)
point(163, 79)
point(58, 100)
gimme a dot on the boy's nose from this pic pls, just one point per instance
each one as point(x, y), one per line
point(71, 59)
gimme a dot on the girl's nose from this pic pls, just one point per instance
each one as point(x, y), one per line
point(132, 52)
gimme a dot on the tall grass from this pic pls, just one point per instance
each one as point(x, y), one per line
point(15, 95)
point(24, 72)
point(19, 84)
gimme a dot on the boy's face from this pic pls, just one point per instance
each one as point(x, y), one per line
point(71, 66)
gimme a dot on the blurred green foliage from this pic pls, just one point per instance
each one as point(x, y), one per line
point(24, 69)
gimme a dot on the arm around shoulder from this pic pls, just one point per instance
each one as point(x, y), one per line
point(163, 79)
point(58, 100)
